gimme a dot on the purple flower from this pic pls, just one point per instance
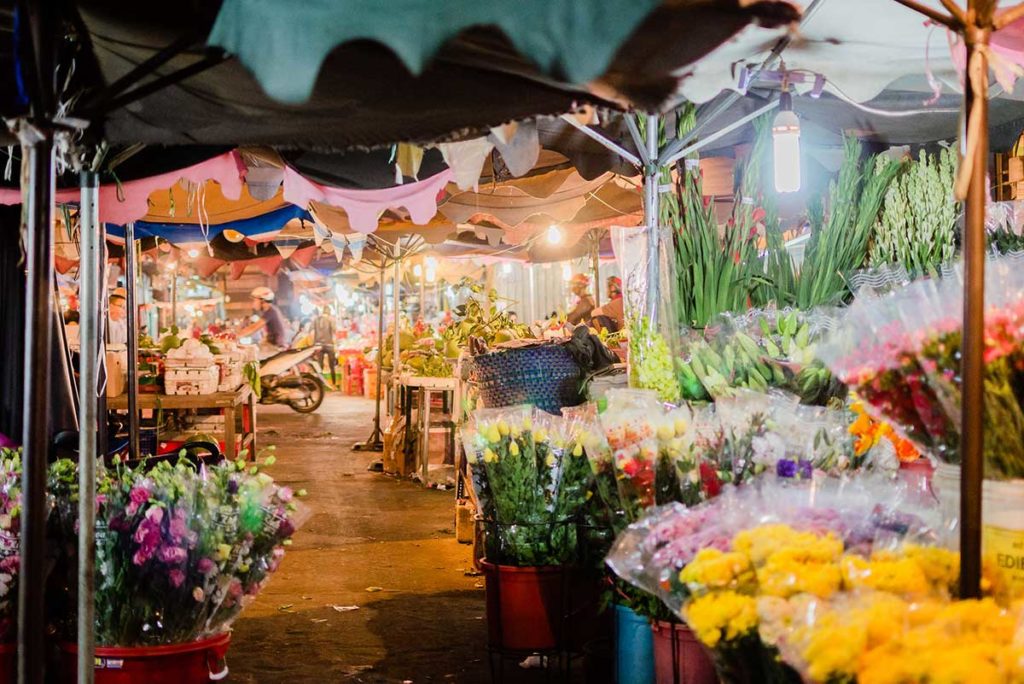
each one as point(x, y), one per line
point(232, 486)
point(172, 555)
point(179, 528)
point(806, 469)
point(785, 468)
point(176, 577)
point(206, 566)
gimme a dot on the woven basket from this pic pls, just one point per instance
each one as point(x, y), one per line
point(546, 376)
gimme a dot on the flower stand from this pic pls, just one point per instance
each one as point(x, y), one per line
point(192, 663)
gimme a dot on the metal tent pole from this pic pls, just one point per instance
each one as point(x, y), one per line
point(131, 275)
point(39, 160)
point(652, 173)
point(88, 387)
point(595, 264)
point(374, 442)
point(395, 342)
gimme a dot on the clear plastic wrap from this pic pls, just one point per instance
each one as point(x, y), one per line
point(180, 551)
point(901, 354)
point(530, 476)
point(758, 350)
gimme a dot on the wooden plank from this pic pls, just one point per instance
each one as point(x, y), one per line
point(183, 401)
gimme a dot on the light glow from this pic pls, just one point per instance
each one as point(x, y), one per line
point(193, 253)
point(786, 147)
point(554, 235)
point(566, 272)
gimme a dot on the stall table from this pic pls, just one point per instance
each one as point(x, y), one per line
point(229, 402)
point(427, 387)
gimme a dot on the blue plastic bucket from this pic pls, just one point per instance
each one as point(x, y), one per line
point(634, 648)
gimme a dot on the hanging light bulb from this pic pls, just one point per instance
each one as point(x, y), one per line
point(417, 270)
point(554, 235)
point(506, 268)
point(786, 139)
point(193, 253)
point(233, 235)
point(431, 273)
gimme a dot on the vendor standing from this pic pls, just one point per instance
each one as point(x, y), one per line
point(271, 321)
point(580, 285)
point(611, 314)
point(117, 328)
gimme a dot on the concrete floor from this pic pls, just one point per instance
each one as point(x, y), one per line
point(384, 545)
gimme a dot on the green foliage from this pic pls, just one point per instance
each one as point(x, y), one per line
point(917, 226)
point(839, 240)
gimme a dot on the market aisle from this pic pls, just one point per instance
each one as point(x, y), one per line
point(422, 621)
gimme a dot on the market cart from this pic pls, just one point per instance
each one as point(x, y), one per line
point(242, 399)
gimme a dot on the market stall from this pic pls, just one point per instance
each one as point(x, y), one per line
point(799, 516)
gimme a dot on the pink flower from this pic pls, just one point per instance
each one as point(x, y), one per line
point(137, 497)
point(206, 566)
point(285, 494)
point(176, 577)
point(179, 528)
point(173, 555)
point(235, 588)
point(198, 594)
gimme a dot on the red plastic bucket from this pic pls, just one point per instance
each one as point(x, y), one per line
point(196, 662)
point(8, 663)
point(525, 606)
point(679, 657)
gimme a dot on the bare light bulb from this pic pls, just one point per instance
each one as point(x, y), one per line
point(786, 144)
point(554, 235)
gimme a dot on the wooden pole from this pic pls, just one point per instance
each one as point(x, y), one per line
point(973, 367)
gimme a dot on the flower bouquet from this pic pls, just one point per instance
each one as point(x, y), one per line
point(531, 482)
point(179, 550)
point(721, 565)
point(10, 535)
point(901, 354)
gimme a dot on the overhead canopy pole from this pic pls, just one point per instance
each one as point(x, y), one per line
point(90, 296)
point(375, 441)
point(130, 277)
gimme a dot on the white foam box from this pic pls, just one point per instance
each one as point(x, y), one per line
point(192, 380)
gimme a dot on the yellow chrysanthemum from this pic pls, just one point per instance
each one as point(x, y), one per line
point(722, 616)
point(715, 569)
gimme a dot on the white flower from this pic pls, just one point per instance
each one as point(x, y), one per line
point(768, 449)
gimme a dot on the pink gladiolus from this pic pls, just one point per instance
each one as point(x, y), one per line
point(176, 577)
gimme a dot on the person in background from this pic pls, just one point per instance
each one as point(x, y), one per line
point(271, 321)
point(611, 316)
point(117, 329)
point(324, 332)
point(580, 285)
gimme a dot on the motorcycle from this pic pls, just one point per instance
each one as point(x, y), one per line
point(293, 377)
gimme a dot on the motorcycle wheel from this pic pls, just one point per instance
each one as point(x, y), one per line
point(316, 389)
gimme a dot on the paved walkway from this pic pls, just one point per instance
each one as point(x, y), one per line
point(381, 545)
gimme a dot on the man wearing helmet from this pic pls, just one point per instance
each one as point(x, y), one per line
point(271, 320)
point(611, 314)
point(580, 285)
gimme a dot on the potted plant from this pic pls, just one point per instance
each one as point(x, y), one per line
point(531, 481)
point(180, 550)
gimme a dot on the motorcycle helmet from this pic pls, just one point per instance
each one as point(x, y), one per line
point(264, 293)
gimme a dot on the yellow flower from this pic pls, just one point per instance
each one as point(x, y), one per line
point(759, 543)
point(492, 434)
point(223, 552)
point(527, 424)
point(715, 569)
point(490, 456)
point(722, 616)
point(665, 432)
point(540, 435)
point(513, 448)
point(900, 576)
point(502, 427)
point(680, 427)
point(550, 461)
point(577, 450)
point(784, 577)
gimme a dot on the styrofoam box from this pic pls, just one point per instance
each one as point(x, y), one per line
point(192, 380)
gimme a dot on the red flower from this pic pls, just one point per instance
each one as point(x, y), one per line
point(709, 479)
point(758, 215)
